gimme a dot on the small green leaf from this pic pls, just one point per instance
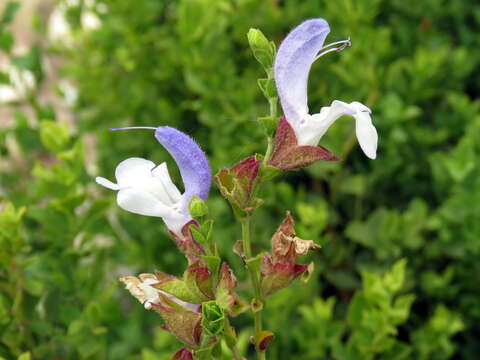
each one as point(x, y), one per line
point(197, 235)
point(268, 88)
point(254, 263)
point(206, 229)
point(24, 356)
point(6, 40)
point(54, 137)
point(9, 13)
point(269, 124)
point(213, 263)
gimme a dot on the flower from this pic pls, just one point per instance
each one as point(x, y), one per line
point(298, 51)
point(142, 288)
point(147, 189)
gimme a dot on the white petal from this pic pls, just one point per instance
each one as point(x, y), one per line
point(131, 170)
point(366, 133)
point(143, 203)
point(139, 173)
point(161, 172)
point(313, 127)
point(107, 183)
point(150, 292)
point(176, 223)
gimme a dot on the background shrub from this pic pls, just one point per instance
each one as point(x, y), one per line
point(397, 275)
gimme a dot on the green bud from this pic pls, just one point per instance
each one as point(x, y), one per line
point(262, 48)
point(213, 318)
point(197, 207)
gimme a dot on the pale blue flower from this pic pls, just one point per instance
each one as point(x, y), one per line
point(295, 57)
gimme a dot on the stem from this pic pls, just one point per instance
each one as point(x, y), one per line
point(269, 151)
point(231, 344)
point(254, 276)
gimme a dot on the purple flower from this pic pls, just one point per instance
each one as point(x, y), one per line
point(147, 189)
point(300, 49)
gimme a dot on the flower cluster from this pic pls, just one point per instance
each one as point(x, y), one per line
point(196, 306)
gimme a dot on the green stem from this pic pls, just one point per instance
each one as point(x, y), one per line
point(269, 151)
point(254, 276)
point(231, 340)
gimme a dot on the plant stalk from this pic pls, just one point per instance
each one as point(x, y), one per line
point(254, 276)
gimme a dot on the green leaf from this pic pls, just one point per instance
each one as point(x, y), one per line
point(213, 263)
point(9, 13)
point(206, 228)
point(394, 279)
point(54, 137)
point(197, 235)
point(268, 88)
point(6, 40)
point(255, 262)
point(24, 356)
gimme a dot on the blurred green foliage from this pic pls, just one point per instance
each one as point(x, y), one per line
point(186, 63)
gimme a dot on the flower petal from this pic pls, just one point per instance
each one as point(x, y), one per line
point(107, 183)
point(191, 161)
point(292, 65)
point(310, 132)
point(161, 172)
point(315, 126)
point(132, 170)
point(142, 202)
point(142, 174)
point(366, 133)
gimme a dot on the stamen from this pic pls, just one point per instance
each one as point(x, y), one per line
point(328, 48)
point(134, 128)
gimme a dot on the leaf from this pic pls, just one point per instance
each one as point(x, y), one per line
point(9, 14)
point(212, 262)
point(54, 137)
point(24, 356)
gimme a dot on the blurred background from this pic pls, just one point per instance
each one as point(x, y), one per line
point(398, 274)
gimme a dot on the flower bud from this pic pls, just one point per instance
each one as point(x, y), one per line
point(197, 207)
point(263, 50)
point(183, 354)
point(213, 318)
point(236, 185)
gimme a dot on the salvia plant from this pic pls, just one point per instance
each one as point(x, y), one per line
point(196, 308)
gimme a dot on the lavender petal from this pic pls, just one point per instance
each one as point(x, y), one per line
point(191, 161)
point(292, 65)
